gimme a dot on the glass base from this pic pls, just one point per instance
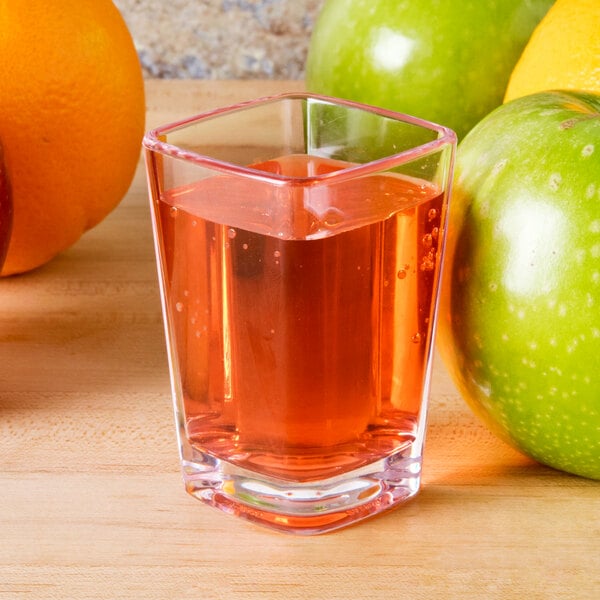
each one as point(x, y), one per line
point(306, 508)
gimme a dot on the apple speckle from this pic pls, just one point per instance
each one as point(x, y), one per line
point(555, 181)
point(528, 362)
point(590, 191)
point(579, 256)
point(588, 150)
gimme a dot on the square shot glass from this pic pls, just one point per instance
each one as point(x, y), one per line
point(299, 242)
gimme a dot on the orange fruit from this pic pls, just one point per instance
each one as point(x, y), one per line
point(72, 116)
point(5, 208)
point(562, 53)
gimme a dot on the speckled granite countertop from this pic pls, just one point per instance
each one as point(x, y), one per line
point(221, 39)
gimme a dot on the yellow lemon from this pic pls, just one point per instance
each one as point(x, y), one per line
point(562, 53)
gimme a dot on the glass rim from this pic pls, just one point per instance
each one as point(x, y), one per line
point(152, 142)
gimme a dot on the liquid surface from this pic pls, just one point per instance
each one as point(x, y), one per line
point(300, 316)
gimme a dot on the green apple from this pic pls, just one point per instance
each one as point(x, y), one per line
point(519, 325)
point(5, 209)
point(447, 61)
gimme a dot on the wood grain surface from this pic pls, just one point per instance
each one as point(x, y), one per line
point(91, 500)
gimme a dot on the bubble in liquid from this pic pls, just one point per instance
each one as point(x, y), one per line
point(173, 211)
point(333, 217)
point(245, 246)
point(432, 214)
point(402, 274)
point(435, 232)
point(276, 254)
point(179, 306)
point(416, 339)
point(428, 262)
point(231, 233)
point(427, 265)
point(427, 240)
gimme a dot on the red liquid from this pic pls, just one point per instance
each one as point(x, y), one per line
point(300, 323)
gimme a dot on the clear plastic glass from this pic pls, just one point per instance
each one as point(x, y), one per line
point(299, 243)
